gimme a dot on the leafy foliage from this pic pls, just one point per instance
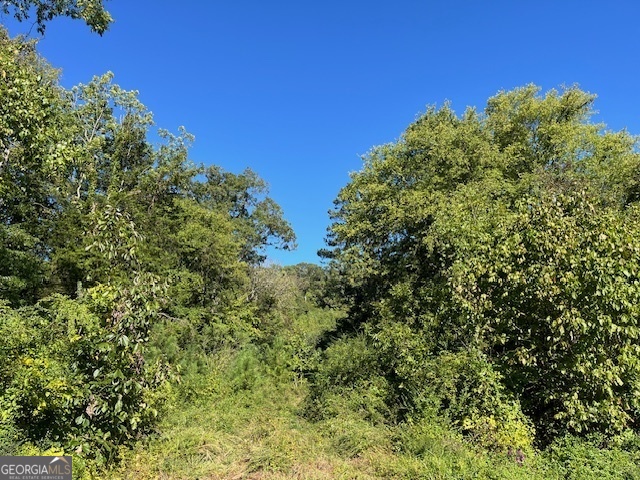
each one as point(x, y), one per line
point(31, 148)
point(76, 374)
point(121, 261)
point(91, 11)
point(560, 313)
point(512, 233)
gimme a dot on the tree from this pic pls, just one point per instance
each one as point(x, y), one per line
point(258, 218)
point(512, 233)
point(554, 300)
point(110, 244)
point(91, 11)
point(33, 124)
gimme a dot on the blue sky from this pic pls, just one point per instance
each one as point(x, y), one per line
point(298, 90)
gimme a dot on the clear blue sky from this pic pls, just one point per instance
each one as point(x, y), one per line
point(299, 90)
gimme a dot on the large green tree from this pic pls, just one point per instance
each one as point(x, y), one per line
point(510, 232)
point(111, 249)
point(33, 123)
point(258, 218)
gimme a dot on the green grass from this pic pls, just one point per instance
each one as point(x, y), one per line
point(245, 415)
point(248, 429)
point(248, 424)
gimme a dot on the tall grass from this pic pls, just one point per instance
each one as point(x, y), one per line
point(248, 413)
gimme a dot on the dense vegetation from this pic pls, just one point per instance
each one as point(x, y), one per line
point(477, 316)
point(500, 250)
point(104, 237)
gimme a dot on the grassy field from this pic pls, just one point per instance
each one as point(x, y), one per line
point(247, 412)
point(254, 429)
point(240, 420)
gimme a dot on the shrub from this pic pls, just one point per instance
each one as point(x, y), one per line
point(348, 380)
point(577, 458)
point(76, 374)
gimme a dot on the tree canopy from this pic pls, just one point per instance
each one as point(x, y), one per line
point(512, 233)
point(91, 11)
point(104, 236)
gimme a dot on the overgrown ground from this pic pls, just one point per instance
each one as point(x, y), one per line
point(244, 415)
point(254, 427)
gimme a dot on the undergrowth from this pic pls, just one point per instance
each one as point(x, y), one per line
point(249, 413)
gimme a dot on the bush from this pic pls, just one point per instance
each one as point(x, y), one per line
point(348, 380)
point(467, 390)
point(576, 458)
point(554, 296)
point(75, 374)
